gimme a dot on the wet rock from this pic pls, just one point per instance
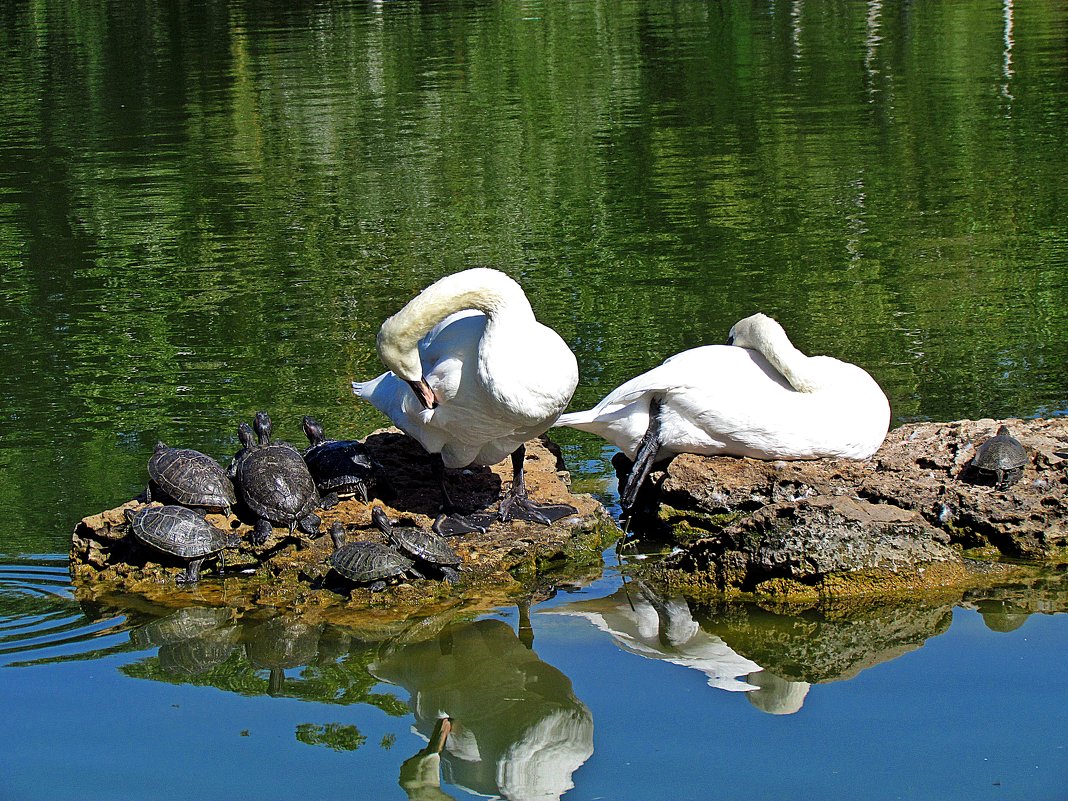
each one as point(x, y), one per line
point(846, 526)
point(823, 544)
point(293, 571)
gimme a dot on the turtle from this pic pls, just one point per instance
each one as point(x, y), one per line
point(368, 562)
point(180, 532)
point(426, 548)
point(189, 478)
point(274, 483)
point(1001, 458)
point(339, 467)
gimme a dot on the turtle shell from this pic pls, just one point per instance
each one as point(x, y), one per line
point(423, 546)
point(341, 466)
point(1001, 452)
point(365, 562)
point(177, 531)
point(191, 478)
point(275, 484)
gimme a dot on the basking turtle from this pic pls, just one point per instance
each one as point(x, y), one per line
point(190, 478)
point(274, 483)
point(339, 467)
point(425, 548)
point(368, 562)
point(1002, 458)
point(180, 532)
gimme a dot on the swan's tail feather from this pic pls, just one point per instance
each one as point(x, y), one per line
point(574, 419)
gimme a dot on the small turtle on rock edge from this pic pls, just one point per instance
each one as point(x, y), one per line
point(425, 548)
point(1002, 458)
point(180, 532)
point(189, 478)
point(339, 467)
point(368, 562)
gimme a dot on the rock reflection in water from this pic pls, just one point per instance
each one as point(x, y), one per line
point(775, 657)
point(822, 645)
point(517, 729)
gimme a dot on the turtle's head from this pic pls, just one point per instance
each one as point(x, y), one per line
point(262, 425)
point(337, 534)
point(312, 430)
point(130, 514)
point(381, 520)
point(160, 446)
point(1003, 431)
point(245, 435)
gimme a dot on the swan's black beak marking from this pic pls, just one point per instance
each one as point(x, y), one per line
point(730, 340)
point(425, 394)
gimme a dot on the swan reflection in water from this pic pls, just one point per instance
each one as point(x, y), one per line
point(515, 728)
point(648, 624)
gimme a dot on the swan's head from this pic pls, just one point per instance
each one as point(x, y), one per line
point(756, 332)
point(397, 353)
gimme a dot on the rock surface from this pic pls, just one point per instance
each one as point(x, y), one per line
point(293, 572)
point(899, 521)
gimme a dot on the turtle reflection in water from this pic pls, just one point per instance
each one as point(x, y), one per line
point(179, 532)
point(368, 562)
point(192, 640)
point(280, 643)
point(1000, 459)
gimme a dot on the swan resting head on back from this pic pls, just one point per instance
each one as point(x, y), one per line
point(472, 375)
point(758, 396)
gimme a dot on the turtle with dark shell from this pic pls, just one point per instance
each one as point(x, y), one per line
point(341, 468)
point(180, 532)
point(274, 483)
point(368, 563)
point(1001, 459)
point(189, 478)
point(427, 549)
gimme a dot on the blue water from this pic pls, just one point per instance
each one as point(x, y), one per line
point(968, 713)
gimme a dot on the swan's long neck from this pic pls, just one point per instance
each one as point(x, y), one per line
point(764, 334)
point(488, 291)
point(793, 365)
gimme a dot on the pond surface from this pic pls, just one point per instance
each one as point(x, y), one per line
point(208, 208)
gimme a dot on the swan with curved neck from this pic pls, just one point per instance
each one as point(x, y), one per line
point(758, 396)
point(473, 375)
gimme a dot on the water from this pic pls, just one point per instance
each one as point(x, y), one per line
point(208, 210)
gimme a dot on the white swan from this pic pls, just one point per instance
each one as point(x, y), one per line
point(758, 396)
point(473, 376)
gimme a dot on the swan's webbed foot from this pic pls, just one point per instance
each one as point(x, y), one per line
point(517, 506)
point(454, 525)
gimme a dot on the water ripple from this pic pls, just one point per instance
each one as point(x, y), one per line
point(39, 614)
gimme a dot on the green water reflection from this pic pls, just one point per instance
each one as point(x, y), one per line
point(209, 210)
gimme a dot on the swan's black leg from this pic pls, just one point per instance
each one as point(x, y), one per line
point(451, 522)
point(643, 458)
point(515, 505)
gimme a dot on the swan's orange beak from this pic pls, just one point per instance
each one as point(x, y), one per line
point(425, 394)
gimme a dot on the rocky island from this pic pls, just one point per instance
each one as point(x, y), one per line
point(916, 516)
point(293, 572)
